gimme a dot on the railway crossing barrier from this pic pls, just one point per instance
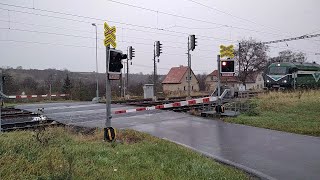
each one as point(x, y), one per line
point(35, 96)
point(191, 102)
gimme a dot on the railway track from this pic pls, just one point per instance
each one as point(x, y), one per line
point(17, 119)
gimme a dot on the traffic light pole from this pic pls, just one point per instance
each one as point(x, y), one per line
point(154, 72)
point(1, 90)
point(108, 94)
point(127, 77)
point(219, 79)
point(189, 70)
point(239, 59)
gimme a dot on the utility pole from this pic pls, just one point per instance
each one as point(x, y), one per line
point(130, 55)
point(239, 59)
point(189, 69)
point(127, 75)
point(157, 50)
point(124, 81)
point(192, 43)
point(1, 91)
point(219, 80)
point(154, 71)
point(97, 73)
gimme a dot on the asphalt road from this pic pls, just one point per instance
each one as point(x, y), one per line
point(276, 154)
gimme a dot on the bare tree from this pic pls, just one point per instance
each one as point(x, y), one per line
point(253, 58)
point(202, 81)
point(289, 56)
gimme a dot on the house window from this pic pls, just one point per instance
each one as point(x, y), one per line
point(211, 78)
point(184, 88)
point(192, 87)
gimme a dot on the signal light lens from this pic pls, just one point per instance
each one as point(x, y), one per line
point(224, 63)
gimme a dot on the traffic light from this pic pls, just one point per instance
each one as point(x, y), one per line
point(158, 48)
point(227, 66)
point(193, 42)
point(115, 63)
point(131, 52)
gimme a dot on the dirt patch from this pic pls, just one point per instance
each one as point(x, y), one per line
point(130, 136)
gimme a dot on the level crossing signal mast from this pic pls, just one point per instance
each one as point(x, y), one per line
point(115, 63)
point(158, 48)
point(193, 42)
point(131, 52)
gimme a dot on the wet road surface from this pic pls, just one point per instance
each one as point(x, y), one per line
point(277, 154)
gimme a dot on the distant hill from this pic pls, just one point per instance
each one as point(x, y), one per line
point(34, 81)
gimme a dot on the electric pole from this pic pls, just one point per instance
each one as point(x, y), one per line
point(192, 43)
point(157, 50)
point(239, 59)
point(131, 54)
point(97, 73)
point(1, 91)
point(189, 70)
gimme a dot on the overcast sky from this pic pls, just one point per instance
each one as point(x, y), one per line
point(32, 36)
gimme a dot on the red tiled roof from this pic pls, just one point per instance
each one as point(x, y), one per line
point(175, 75)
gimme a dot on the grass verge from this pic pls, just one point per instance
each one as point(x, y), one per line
point(295, 112)
point(58, 153)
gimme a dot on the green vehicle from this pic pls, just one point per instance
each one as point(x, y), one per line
point(288, 75)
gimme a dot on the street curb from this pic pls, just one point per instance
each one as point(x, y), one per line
point(246, 169)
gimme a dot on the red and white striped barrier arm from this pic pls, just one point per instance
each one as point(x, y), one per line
point(170, 105)
point(36, 96)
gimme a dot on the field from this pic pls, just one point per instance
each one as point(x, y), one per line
point(295, 112)
point(60, 153)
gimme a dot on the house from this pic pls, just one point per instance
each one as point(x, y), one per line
point(254, 81)
point(212, 81)
point(176, 81)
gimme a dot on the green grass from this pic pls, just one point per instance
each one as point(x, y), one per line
point(295, 112)
point(65, 155)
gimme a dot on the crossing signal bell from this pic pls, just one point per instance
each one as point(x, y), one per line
point(131, 52)
point(227, 66)
point(158, 48)
point(115, 63)
point(193, 42)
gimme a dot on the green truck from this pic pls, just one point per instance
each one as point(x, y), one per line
point(286, 75)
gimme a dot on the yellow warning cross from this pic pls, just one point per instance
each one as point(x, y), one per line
point(110, 35)
point(227, 51)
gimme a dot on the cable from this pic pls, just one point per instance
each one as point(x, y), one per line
point(139, 7)
point(96, 19)
point(229, 14)
point(146, 27)
point(292, 39)
point(134, 42)
point(170, 14)
point(40, 25)
point(86, 37)
point(281, 47)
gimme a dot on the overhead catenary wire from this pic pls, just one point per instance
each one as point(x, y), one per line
point(128, 24)
point(126, 4)
point(87, 37)
point(229, 14)
point(179, 16)
point(116, 22)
